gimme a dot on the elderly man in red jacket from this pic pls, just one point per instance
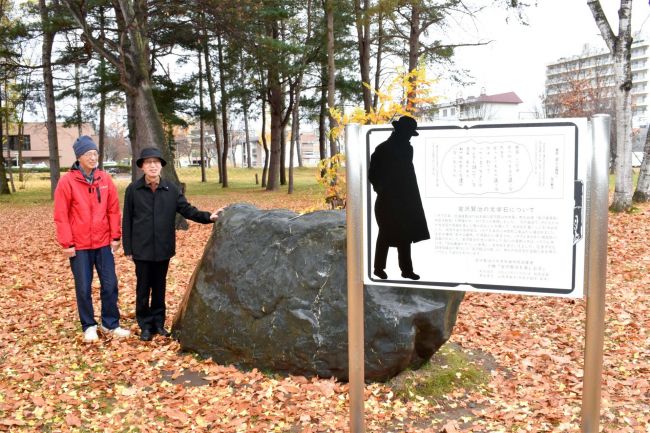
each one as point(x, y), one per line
point(87, 217)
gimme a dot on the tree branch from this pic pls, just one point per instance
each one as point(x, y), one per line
point(602, 23)
point(97, 44)
point(429, 50)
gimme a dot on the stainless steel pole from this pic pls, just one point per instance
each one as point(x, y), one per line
point(353, 153)
point(597, 273)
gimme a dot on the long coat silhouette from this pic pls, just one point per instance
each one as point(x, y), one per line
point(398, 208)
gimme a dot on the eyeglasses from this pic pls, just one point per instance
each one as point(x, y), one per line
point(151, 161)
point(91, 154)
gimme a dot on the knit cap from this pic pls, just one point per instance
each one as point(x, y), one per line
point(82, 145)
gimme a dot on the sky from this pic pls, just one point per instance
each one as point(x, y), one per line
point(516, 59)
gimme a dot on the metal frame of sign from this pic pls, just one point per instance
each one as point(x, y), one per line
point(595, 271)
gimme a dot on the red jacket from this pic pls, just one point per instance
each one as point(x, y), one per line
point(86, 216)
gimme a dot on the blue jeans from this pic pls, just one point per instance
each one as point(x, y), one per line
point(82, 269)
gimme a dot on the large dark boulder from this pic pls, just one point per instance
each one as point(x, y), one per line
point(270, 292)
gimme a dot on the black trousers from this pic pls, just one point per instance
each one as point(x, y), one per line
point(403, 254)
point(150, 293)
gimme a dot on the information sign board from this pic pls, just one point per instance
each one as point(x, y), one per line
point(504, 205)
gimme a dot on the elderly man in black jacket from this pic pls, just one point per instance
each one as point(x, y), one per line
point(148, 231)
point(398, 208)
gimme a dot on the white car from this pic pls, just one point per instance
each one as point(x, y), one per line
point(39, 165)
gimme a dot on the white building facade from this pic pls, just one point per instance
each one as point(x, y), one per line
point(502, 106)
point(593, 72)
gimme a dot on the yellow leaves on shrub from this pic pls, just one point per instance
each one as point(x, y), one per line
point(331, 175)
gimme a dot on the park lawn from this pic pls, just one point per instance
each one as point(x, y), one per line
point(307, 195)
point(51, 381)
point(635, 179)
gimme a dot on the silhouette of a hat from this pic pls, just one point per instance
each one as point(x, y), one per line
point(150, 152)
point(406, 124)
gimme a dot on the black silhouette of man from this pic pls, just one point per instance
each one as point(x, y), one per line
point(398, 208)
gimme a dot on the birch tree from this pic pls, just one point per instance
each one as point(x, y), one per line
point(642, 193)
point(620, 46)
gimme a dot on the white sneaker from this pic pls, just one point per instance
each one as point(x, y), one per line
point(90, 334)
point(118, 332)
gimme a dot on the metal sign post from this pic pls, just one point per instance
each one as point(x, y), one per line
point(597, 205)
point(355, 278)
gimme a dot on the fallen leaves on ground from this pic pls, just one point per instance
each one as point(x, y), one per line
point(52, 381)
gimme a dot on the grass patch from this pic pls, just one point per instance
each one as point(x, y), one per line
point(635, 179)
point(242, 187)
point(448, 370)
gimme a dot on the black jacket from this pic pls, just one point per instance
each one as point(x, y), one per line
point(398, 208)
point(148, 222)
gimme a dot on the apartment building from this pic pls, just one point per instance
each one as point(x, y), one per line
point(591, 74)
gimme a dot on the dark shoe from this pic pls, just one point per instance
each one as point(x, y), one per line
point(380, 273)
point(161, 331)
point(411, 275)
point(145, 335)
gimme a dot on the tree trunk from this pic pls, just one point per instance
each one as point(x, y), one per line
point(102, 96)
point(77, 95)
point(413, 56)
point(291, 147)
point(224, 116)
point(642, 193)
point(295, 129)
point(275, 101)
point(265, 170)
point(102, 116)
point(280, 113)
point(283, 155)
point(295, 132)
point(149, 130)
point(247, 138)
point(295, 125)
point(21, 142)
point(9, 166)
point(213, 102)
point(621, 48)
point(298, 143)
point(322, 115)
point(201, 131)
point(331, 75)
point(4, 182)
point(378, 60)
point(50, 105)
point(130, 122)
point(362, 21)
point(623, 190)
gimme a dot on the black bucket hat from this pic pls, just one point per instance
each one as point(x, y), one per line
point(150, 152)
point(406, 124)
